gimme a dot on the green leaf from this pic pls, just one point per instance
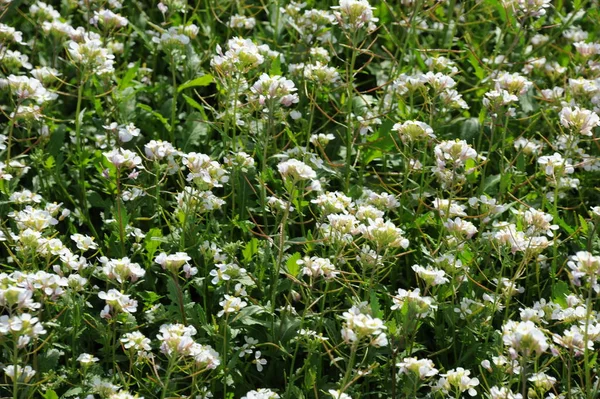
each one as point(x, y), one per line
point(201, 81)
point(55, 144)
point(275, 67)
point(194, 104)
point(157, 115)
point(292, 264)
point(375, 306)
point(73, 392)
point(560, 290)
point(128, 77)
point(50, 394)
point(250, 249)
point(152, 242)
point(195, 129)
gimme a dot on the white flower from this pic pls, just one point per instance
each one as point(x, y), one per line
point(273, 88)
point(358, 326)
point(23, 374)
point(384, 234)
point(261, 393)
point(231, 304)
point(118, 302)
point(422, 368)
point(84, 243)
point(430, 275)
point(315, 267)
point(457, 380)
point(296, 170)
point(524, 337)
point(354, 14)
point(121, 269)
point(258, 361)
point(417, 304)
point(122, 158)
point(410, 131)
point(203, 171)
point(86, 359)
point(241, 22)
point(27, 88)
point(136, 341)
point(338, 395)
point(580, 120)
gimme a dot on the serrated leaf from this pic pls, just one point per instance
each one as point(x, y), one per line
point(204, 80)
point(250, 249)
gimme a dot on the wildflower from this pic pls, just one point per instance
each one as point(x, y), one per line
point(136, 341)
point(174, 263)
point(556, 165)
point(26, 88)
point(231, 304)
point(109, 19)
point(410, 131)
point(259, 361)
point(524, 337)
point(336, 394)
point(118, 302)
point(128, 132)
point(241, 22)
point(321, 74)
point(90, 54)
point(86, 359)
point(384, 233)
point(457, 380)
point(321, 139)
point(580, 120)
point(422, 368)
point(430, 275)
point(584, 264)
point(513, 83)
point(157, 150)
point(574, 340)
point(420, 305)
point(172, 40)
point(315, 267)
point(460, 227)
point(205, 356)
point(333, 202)
point(503, 393)
point(24, 196)
point(456, 153)
point(296, 170)
point(542, 381)
point(121, 269)
point(276, 89)
point(8, 33)
point(23, 374)
point(84, 243)
point(240, 160)
point(354, 14)
point(261, 393)
point(203, 171)
point(358, 326)
point(122, 158)
point(176, 339)
point(242, 55)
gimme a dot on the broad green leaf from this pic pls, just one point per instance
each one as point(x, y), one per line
point(201, 81)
